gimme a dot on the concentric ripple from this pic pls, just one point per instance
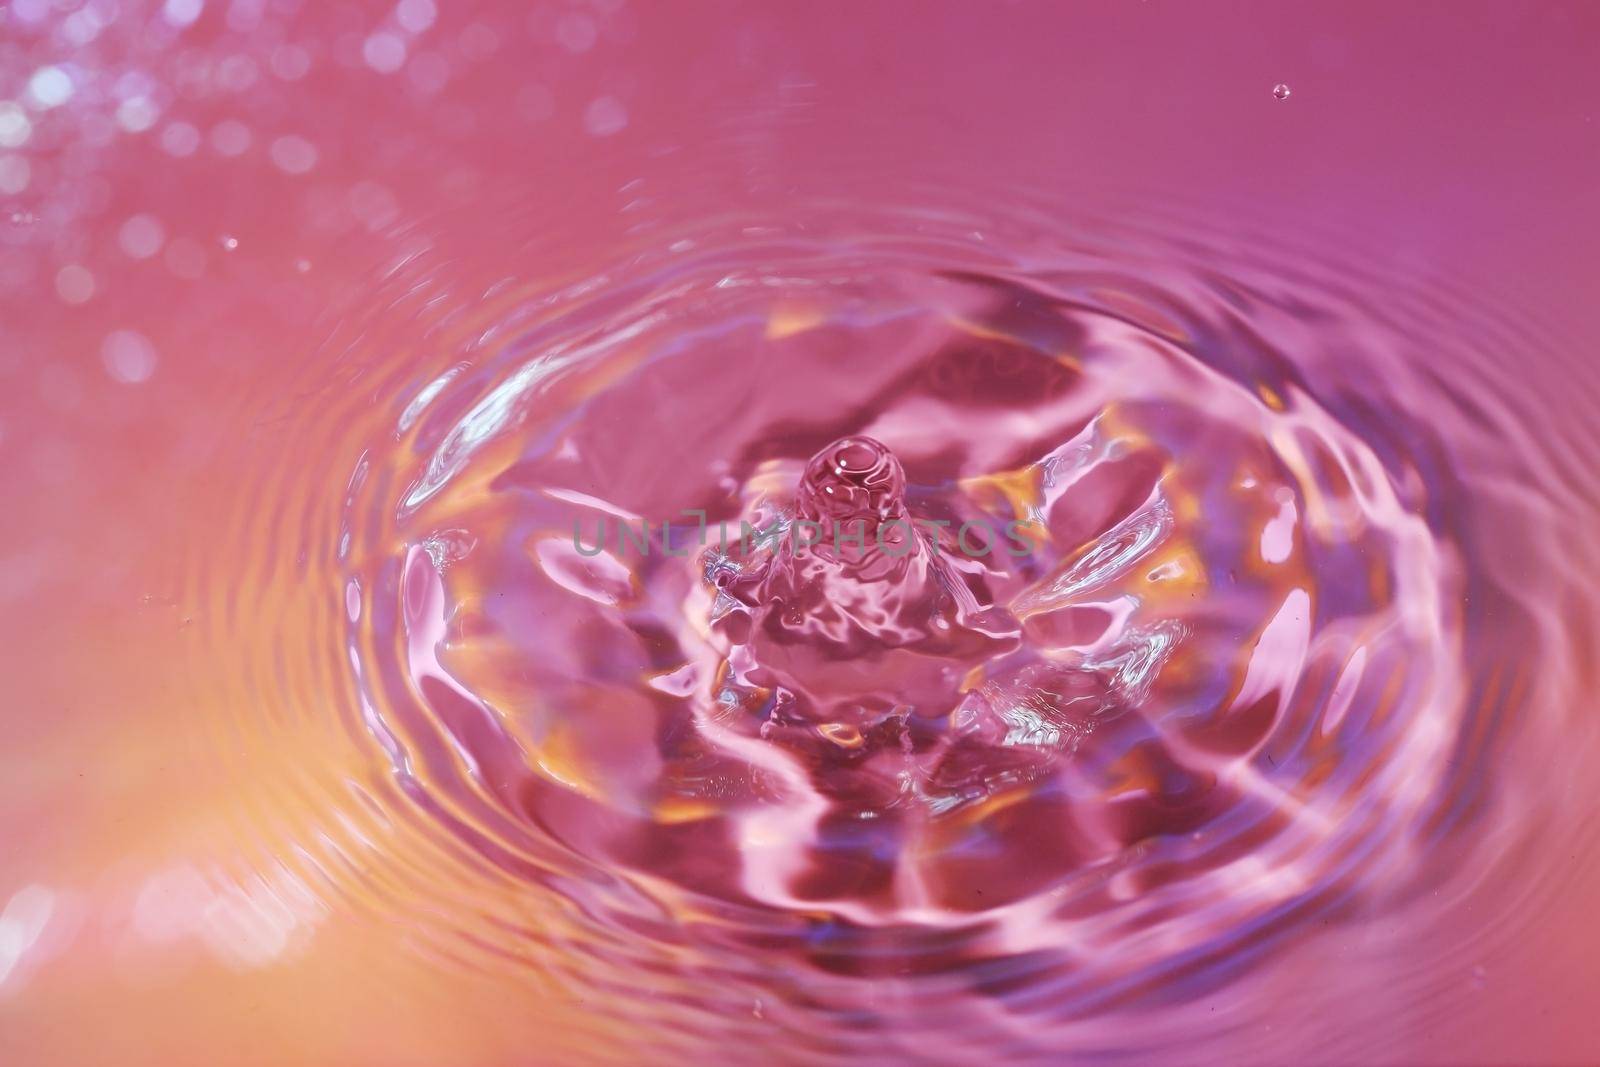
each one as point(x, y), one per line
point(1209, 683)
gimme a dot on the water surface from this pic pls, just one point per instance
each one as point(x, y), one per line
point(1253, 343)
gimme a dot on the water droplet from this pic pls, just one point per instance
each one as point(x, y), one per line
point(182, 12)
point(384, 52)
point(237, 73)
point(129, 356)
point(415, 16)
point(1280, 91)
point(230, 137)
point(229, 242)
point(854, 477)
point(293, 155)
point(141, 236)
point(15, 174)
point(74, 284)
point(15, 127)
point(137, 114)
point(290, 62)
point(576, 33)
point(50, 87)
point(605, 116)
point(180, 139)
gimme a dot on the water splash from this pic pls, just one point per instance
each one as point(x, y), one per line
point(1210, 684)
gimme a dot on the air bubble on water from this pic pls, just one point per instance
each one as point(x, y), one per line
point(1280, 91)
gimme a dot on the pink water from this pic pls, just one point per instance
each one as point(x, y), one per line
point(612, 533)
